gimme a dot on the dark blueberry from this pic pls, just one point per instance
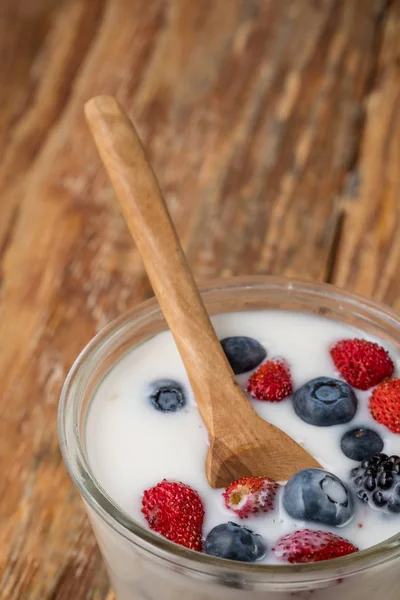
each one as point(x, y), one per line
point(167, 395)
point(360, 443)
point(243, 353)
point(235, 542)
point(318, 496)
point(325, 402)
point(377, 482)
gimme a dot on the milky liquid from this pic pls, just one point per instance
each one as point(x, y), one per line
point(131, 446)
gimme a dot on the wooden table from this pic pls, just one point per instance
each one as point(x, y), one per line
point(274, 127)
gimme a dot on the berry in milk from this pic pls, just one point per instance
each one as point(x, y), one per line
point(322, 382)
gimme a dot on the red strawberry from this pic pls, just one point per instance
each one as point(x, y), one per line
point(175, 511)
point(271, 382)
point(250, 495)
point(361, 363)
point(305, 546)
point(384, 404)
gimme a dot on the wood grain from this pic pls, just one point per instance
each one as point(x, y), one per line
point(274, 127)
point(369, 255)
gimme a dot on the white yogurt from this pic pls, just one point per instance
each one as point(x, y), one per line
point(131, 446)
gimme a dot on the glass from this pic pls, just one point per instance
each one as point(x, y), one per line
point(145, 566)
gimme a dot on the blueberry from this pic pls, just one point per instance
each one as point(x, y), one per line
point(318, 496)
point(324, 402)
point(167, 395)
point(361, 443)
point(235, 542)
point(243, 353)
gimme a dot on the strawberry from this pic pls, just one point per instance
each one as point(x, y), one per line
point(384, 404)
point(306, 546)
point(271, 382)
point(175, 511)
point(250, 495)
point(361, 363)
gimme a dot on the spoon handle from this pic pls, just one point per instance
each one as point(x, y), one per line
point(151, 227)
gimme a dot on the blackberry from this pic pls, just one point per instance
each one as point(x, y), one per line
point(377, 481)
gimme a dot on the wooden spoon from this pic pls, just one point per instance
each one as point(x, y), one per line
point(241, 443)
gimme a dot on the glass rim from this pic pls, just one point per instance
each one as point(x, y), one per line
point(152, 543)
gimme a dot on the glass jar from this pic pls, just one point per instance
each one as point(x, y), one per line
point(145, 566)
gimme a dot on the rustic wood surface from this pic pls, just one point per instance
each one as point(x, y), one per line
point(275, 130)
